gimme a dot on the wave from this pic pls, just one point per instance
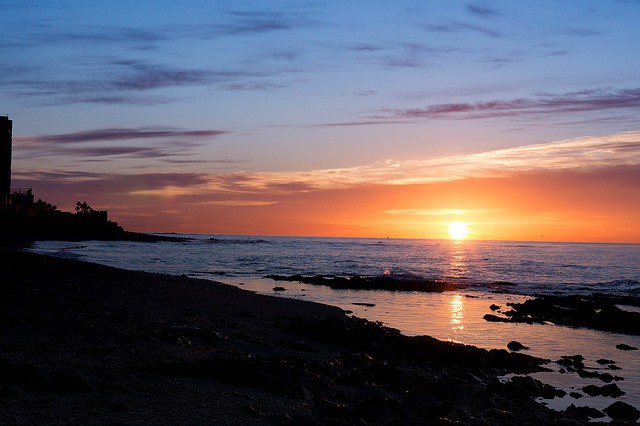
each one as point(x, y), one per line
point(236, 241)
point(220, 273)
point(631, 287)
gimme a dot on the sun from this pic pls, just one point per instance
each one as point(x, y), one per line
point(458, 230)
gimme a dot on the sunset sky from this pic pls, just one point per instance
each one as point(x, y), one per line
point(343, 118)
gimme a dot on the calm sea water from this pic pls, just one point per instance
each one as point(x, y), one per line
point(481, 267)
point(566, 268)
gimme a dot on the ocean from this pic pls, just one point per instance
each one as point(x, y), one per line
point(531, 267)
point(486, 272)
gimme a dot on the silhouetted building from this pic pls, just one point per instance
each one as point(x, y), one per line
point(6, 127)
point(22, 219)
point(20, 200)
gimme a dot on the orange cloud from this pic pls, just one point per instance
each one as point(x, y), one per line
point(566, 205)
point(578, 190)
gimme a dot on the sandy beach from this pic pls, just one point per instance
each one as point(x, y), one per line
point(89, 344)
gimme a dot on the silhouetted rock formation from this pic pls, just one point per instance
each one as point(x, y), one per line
point(384, 282)
point(625, 347)
point(622, 411)
point(516, 346)
point(598, 312)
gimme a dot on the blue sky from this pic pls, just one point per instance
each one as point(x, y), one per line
point(209, 88)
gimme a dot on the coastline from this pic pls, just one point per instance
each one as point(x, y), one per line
point(90, 343)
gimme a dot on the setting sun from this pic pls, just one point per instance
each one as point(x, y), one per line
point(458, 230)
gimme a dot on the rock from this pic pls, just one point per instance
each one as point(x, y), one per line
point(533, 387)
point(597, 312)
point(605, 377)
point(495, 415)
point(573, 362)
point(603, 361)
point(573, 358)
point(279, 289)
point(252, 411)
point(624, 347)
point(495, 318)
point(611, 390)
point(622, 411)
point(422, 403)
point(585, 411)
point(516, 346)
point(370, 305)
point(494, 307)
point(576, 395)
point(591, 390)
point(472, 399)
point(70, 381)
point(385, 282)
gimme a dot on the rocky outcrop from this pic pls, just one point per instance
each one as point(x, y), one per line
point(384, 282)
point(597, 312)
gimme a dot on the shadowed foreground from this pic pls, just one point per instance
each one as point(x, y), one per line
point(83, 343)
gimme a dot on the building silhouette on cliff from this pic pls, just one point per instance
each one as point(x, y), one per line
point(6, 128)
point(16, 199)
point(22, 219)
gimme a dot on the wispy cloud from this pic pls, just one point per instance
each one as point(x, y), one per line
point(113, 64)
point(580, 32)
point(108, 151)
point(163, 143)
point(124, 82)
point(544, 103)
point(482, 10)
point(367, 47)
point(110, 183)
point(222, 161)
point(358, 123)
point(619, 150)
point(441, 212)
point(453, 26)
point(236, 203)
point(255, 22)
point(119, 134)
point(254, 85)
point(413, 54)
point(363, 92)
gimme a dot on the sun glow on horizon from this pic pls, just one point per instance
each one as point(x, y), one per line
point(458, 230)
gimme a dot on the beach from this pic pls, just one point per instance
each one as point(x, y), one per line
point(84, 343)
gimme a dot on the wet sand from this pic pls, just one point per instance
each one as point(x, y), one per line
point(83, 343)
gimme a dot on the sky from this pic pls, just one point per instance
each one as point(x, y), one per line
point(519, 119)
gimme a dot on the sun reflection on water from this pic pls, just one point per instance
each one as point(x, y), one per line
point(458, 267)
point(456, 310)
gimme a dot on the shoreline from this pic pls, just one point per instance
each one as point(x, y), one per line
point(122, 346)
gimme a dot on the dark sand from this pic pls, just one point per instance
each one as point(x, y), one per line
point(82, 343)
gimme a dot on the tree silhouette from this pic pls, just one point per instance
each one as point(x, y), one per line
point(83, 208)
point(40, 207)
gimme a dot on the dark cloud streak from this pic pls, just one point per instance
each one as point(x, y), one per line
point(123, 83)
point(127, 151)
point(118, 134)
point(80, 181)
point(482, 10)
point(574, 102)
point(260, 22)
point(358, 123)
point(452, 26)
